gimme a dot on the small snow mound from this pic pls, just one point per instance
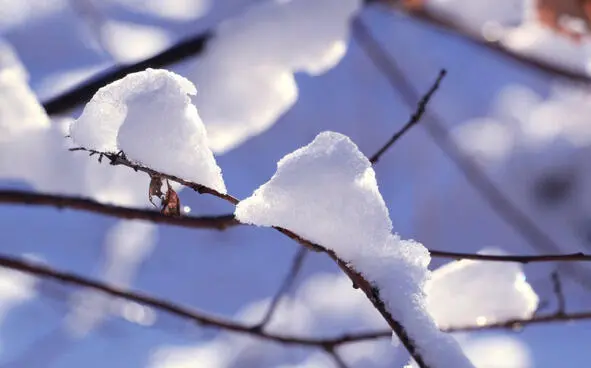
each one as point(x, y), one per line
point(456, 296)
point(327, 192)
point(149, 116)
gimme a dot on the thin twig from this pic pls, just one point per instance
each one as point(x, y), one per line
point(557, 288)
point(414, 118)
point(221, 222)
point(571, 257)
point(338, 360)
point(518, 323)
point(497, 201)
point(286, 285)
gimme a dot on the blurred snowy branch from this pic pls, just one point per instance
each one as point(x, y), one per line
point(194, 45)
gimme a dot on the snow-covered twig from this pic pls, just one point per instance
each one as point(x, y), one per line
point(194, 45)
point(358, 280)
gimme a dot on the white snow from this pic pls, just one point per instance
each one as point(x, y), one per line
point(467, 293)
point(247, 72)
point(128, 42)
point(149, 116)
point(327, 193)
point(19, 111)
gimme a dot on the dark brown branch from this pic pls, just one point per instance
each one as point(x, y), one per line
point(497, 201)
point(62, 201)
point(327, 344)
point(286, 285)
point(414, 118)
point(518, 324)
point(572, 257)
point(119, 159)
point(200, 318)
point(339, 362)
point(223, 222)
point(557, 288)
point(371, 292)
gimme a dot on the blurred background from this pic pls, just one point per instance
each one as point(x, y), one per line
point(499, 163)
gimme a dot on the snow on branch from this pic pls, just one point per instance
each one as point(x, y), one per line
point(331, 179)
point(150, 117)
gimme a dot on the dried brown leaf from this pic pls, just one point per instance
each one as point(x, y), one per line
point(171, 205)
point(155, 189)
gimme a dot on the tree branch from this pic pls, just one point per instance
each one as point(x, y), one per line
point(414, 118)
point(62, 201)
point(357, 279)
point(286, 285)
point(223, 222)
point(40, 270)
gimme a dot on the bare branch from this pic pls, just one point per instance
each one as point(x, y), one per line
point(62, 201)
point(200, 318)
point(286, 285)
point(557, 288)
point(572, 257)
point(518, 324)
point(223, 222)
point(371, 292)
point(497, 201)
point(414, 118)
point(339, 362)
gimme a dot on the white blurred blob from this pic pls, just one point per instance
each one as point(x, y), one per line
point(15, 288)
point(485, 139)
point(135, 313)
point(246, 76)
point(127, 244)
point(20, 112)
point(497, 352)
point(179, 10)
point(468, 292)
point(14, 13)
point(128, 42)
